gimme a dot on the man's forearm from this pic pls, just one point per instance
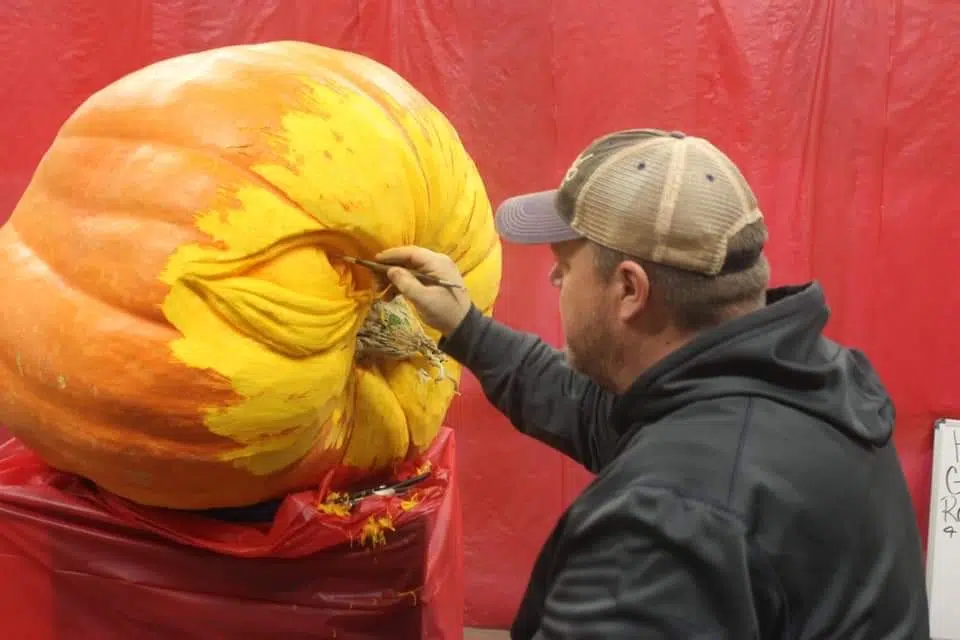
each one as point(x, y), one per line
point(531, 383)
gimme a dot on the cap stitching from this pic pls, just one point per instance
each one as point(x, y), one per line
point(745, 212)
point(668, 199)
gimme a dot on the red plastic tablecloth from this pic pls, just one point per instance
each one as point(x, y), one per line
point(77, 563)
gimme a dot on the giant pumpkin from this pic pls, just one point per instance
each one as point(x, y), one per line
point(177, 322)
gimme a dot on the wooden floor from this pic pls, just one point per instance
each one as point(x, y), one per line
point(485, 634)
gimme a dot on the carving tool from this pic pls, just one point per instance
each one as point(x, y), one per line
point(382, 268)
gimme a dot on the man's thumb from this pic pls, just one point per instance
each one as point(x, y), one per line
point(405, 282)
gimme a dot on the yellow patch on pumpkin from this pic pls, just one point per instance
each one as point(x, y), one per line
point(269, 307)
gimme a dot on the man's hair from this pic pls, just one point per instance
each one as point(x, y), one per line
point(695, 301)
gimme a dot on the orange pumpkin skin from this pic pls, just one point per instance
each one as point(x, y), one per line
point(90, 379)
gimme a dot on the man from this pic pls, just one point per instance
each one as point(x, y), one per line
point(747, 484)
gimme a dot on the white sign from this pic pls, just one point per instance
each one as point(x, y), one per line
point(943, 539)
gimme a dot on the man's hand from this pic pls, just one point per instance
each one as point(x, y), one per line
point(440, 307)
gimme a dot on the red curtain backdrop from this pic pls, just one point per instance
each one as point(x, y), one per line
point(841, 113)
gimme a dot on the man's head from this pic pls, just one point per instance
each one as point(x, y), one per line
point(657, 236)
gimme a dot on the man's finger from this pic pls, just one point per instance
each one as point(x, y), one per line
point(405, 282)
point(413, 257)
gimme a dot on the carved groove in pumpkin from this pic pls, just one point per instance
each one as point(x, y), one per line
point(295, 324)
point(292, 324)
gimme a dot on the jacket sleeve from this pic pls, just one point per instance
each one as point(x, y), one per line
point(531, 383)
point(650, 564)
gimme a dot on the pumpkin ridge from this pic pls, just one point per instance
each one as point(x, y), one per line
point(377, 96)
point(151, 313)
point(107, 208)
point(211, 152)
point(37, 388)
point(353, 436)
point(63, 280)
point(125, 435)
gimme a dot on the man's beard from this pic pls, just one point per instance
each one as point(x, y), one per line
point(594, 353)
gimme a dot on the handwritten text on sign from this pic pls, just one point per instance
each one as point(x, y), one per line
point(950, 503)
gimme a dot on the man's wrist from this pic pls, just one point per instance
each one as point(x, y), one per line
point(458, 343)
point(452, 328)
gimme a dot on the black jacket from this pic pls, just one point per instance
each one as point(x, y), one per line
point(747, 486)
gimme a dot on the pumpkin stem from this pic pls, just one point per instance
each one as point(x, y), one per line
point(392, 331)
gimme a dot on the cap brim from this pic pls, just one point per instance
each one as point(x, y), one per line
point(533, 219)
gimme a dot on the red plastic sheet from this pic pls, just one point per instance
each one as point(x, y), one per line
point(80, 564)
point(841, 113)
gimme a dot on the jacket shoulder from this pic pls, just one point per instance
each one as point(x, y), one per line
point(694, 451)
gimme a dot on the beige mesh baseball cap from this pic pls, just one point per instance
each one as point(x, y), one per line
point(654, 195)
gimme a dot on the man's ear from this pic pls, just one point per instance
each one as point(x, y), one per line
point(632, 289)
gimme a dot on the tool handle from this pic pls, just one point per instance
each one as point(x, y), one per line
point(425, 278)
